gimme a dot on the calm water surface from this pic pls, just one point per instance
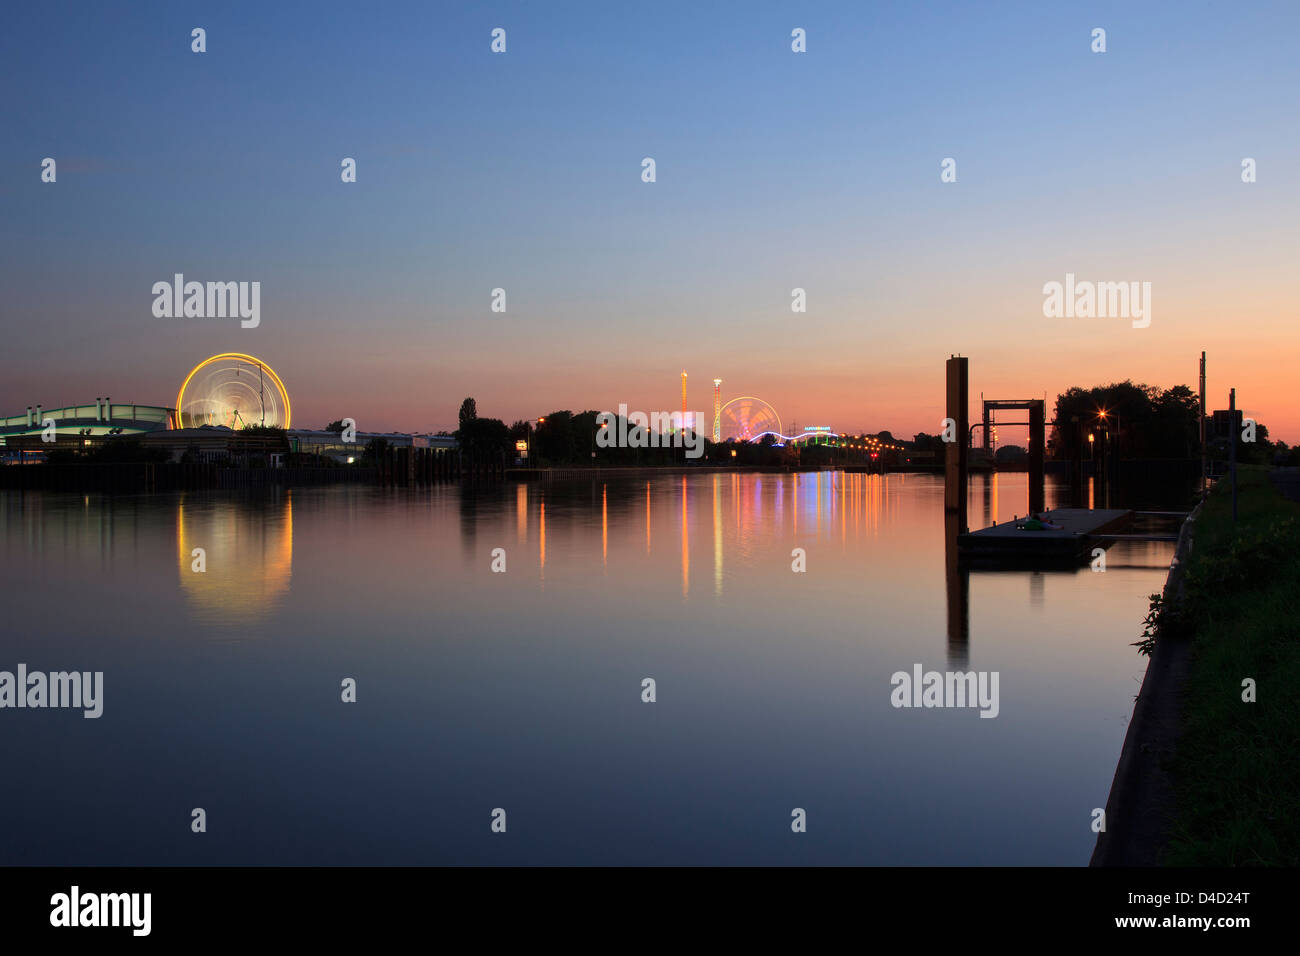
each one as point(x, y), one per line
point(522, 690)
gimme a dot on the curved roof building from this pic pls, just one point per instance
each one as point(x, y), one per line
point(100, 419)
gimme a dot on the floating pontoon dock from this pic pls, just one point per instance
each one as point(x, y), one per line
point(1081, 530)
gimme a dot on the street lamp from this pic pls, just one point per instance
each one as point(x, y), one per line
point(1111, 448)
point(1101, 415)
point(530, 439)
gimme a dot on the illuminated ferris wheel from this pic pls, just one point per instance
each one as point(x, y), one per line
point(234, 390)
point(747, 418)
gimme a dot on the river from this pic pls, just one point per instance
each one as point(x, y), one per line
point(522, 690)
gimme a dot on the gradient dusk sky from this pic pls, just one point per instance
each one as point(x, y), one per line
point(775, 170)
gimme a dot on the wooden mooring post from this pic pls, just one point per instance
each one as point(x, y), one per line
point(955, 454)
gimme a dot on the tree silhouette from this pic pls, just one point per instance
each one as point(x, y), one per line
point(468, 412)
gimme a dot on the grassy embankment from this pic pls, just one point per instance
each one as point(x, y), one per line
point(1237, 770)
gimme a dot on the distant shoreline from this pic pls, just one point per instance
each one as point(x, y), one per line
point(597, 471)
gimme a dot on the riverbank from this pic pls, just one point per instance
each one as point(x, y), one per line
point(1208, 775)
point(1236, 775)
point(1141, 800)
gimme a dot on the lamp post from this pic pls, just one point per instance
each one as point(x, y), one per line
point(530, 439)
point(1112, 447)
point(1232, 448)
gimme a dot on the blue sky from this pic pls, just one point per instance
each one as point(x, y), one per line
point(522, 171)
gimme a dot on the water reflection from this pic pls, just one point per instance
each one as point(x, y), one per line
point(717, 534)
point(521, 513)
point(248, 556)
point(686, 545)
point(522, 688)
point(249, 544)
point(1037, 582)
point(61, 527)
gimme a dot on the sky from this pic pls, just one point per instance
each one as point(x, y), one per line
point(775, 170)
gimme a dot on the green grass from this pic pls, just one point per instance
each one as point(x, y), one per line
point(1237, 770)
